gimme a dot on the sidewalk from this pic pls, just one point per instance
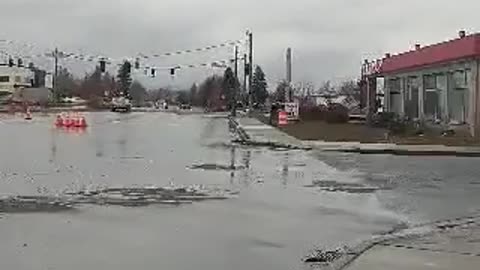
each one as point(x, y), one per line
point(394, 149)
point(453, 245)
point(261, 133)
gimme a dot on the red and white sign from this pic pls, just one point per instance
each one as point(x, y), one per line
point(373, 67)
point(292, 110)
point(282, 118)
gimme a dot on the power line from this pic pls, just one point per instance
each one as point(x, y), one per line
point(189, 51)
point(61, 55)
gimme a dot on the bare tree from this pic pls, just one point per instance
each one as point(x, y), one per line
point(350, 89)
point(304, 91)
point(327, 91)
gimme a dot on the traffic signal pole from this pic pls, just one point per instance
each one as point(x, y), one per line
point(55, 75)
point(235, 87)
point(245, 73)
point(250, 72)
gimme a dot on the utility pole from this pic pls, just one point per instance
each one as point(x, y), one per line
point(250, 67)
point(235, 92)
point(245, 73)
point(54, 82)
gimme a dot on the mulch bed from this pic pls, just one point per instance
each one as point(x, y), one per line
point(349, 132)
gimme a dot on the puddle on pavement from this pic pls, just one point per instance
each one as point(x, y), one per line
point(216, 167)
point(133, 158)
point(334, 186)
point(127, 197)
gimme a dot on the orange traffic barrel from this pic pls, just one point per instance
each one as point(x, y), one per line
point(282, 118)
point(59, 121)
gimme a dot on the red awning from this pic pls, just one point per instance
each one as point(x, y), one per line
point(457, 49)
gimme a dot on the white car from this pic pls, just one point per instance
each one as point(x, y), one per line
point(121, 104)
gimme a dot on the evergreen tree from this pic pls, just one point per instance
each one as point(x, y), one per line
point(229, 86)
point(193, 94)
point(259, 86)
point(124, 78)
point(138, 93)
point(65, 84)
point(183, 98)
point(279, 95)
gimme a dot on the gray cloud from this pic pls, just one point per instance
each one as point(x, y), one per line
point(329, 38)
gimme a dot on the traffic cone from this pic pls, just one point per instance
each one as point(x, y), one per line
point(59, 121)
point(76, 121)
point(28, 115)
point(67, 121)
point(83, 122)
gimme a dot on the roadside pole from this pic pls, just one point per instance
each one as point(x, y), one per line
point(245, 72)
point(235, 92)
point(250, 71)
point(55, 75)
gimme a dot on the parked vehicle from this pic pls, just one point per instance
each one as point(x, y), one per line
point(185, 107)
point(121, 104)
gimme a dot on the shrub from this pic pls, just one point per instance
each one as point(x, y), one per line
point(313, 112)
point(337, 113)
point(383, 119)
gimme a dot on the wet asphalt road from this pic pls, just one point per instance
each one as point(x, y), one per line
point(272, 224)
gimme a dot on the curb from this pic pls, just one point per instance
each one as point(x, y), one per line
point(417, 231)
point(405, 152)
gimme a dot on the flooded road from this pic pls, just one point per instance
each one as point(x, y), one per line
point(421, 189)
point(285, 203)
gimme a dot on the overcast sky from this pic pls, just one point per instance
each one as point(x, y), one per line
point(329, 37)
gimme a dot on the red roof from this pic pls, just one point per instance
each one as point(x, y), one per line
point(457, 49)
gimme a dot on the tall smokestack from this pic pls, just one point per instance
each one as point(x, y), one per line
point(288, 92)
point(289, 65)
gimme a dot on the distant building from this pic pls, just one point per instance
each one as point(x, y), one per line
point(19, 84)
point(12, 78)
point(437, 83)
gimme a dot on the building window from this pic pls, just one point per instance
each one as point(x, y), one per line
point(460, 80)
point(394, 86)
point(431, 97)
point(429, 82)
point(4, 79)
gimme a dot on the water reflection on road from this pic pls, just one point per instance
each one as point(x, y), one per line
point(272, 224)
point(424, 189)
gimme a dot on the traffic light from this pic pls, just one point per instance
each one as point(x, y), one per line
point(102, 65)
point(172, 71)
point(153, 72)
point(11, 63)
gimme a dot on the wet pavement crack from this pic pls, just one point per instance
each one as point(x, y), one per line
point(127, 197)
